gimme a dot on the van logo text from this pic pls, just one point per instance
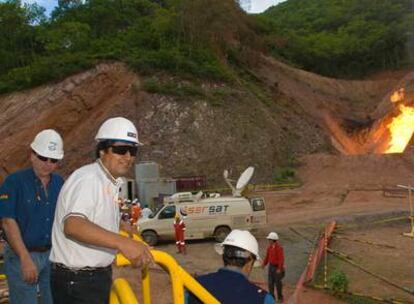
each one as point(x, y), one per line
point(217, 209)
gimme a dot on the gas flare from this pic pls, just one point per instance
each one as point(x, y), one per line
point(401, 129)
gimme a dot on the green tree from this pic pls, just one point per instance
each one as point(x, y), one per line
point(17, 33)
point(341, 38)
point(67, 37)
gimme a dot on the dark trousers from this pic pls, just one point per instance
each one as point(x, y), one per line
point(275, 278)
point(80, 287)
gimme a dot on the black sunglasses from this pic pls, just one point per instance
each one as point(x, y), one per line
point(44, 159)
point(122, 150)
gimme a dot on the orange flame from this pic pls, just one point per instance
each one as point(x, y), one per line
point(401, 129)
point(397, 96)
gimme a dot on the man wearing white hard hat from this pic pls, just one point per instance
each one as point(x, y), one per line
point(276, 260)
point(85, 234)
point(27, 207)
point(230, 284)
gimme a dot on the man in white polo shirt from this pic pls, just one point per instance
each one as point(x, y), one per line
point(85, 235)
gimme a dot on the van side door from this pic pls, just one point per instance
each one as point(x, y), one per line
point(259, 218)
point(165, 223)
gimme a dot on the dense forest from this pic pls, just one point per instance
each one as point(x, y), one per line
point(342, 38)
point(178, 36)
point(200, 38)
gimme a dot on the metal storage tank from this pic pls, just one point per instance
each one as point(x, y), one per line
point(147, 170)
point(150, 185)
point(150, 189)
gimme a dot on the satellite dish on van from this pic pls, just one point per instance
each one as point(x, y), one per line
point(241, 182)
point(198, 196)
point(245, 178)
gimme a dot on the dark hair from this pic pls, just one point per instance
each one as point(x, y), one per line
point(235, 256)
point(102, 145)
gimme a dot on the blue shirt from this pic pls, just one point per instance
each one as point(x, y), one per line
point(231, 287)
point(23, 198)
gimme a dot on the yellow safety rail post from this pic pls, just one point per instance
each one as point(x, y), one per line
point(121, 293)
point(180, 278)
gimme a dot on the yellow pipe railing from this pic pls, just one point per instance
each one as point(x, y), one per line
point(121, 293)
point(180, 279)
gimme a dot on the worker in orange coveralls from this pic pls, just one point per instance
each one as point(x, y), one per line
point(179, 227)
point(135, 212)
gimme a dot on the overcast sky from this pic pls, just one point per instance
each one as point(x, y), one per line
point(258, 6)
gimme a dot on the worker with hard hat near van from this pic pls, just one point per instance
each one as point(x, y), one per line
point(135, 212)
point(230, 284)
point(276, 260)
point(85, 234)
point(27, 207)
point(179, 227)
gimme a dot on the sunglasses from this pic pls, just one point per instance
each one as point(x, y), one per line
point(44, 159)
point(122, 150)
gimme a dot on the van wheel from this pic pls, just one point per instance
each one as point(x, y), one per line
point(150, 237)
point(221, 233)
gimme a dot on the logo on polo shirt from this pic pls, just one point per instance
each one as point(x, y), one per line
point(4, 197)
point(131, 134)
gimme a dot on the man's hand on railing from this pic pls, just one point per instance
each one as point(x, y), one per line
point(138, 253)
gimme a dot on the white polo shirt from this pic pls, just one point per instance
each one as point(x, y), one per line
point(89, 192)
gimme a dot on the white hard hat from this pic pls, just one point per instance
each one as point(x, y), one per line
point(273, 236)
point(48, 143)
point(118, 128)
point(242, 239)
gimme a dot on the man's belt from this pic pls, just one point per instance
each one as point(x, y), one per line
point(81, 269)
point(38, 248)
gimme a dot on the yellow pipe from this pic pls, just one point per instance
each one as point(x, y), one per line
point(121, 292)
point(179, 279)
point(146, 291)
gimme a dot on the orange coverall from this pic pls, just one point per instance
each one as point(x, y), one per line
point(179, 227)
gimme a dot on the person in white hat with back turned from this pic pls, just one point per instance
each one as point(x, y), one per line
point(27, 208)
point(85, 234)
point(230, 284)
point(276, 260)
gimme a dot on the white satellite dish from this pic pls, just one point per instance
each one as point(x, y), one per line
point(245, 178)
point(198, 196)
point(241, 182)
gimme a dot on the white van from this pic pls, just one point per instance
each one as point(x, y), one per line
point(204, 217)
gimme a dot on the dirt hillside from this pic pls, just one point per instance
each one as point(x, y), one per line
point(267, 124)
point(284, 116)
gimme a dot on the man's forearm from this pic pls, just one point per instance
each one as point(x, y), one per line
point(14, 237)
point(83, 230)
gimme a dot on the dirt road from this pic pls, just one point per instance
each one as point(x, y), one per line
point(306, 212)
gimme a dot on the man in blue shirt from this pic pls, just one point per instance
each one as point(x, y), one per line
point(27, 207)
point(229, 285)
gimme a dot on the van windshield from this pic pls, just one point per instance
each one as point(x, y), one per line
point(157, 210)
point(167, 213)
